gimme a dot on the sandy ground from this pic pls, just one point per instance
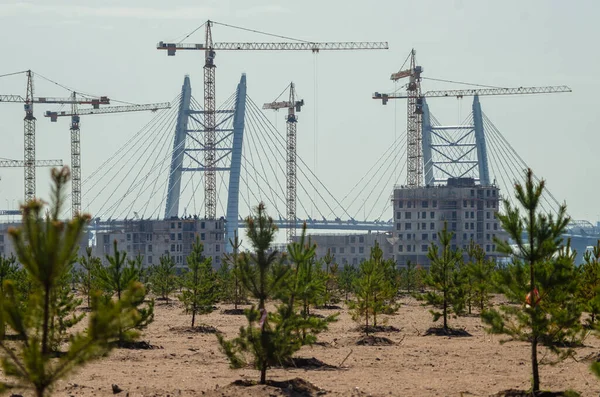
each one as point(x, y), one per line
point(190, 364)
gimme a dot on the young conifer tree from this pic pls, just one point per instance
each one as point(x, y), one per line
point(45, 246)
point(88, 274)
point(163, 278)
point(347, 280)
point(259, 339)
point(442, 274)
point(541, 278)
point(115, 279)
point(374, 291)
point(8, 269)
point(588, 292)
point(200, 291)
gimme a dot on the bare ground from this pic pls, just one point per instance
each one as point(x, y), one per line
point(190, 363)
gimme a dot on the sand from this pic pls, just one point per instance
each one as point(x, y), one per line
point(190, 363)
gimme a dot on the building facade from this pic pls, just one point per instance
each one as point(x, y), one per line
point(173, 237)
point(352, 248)
point(469, 210)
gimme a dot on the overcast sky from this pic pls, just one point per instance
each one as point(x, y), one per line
point(108, 48)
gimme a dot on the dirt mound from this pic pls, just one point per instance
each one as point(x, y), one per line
point(296, 387)
point(308, 363)
point(138, 345)
point(199, 329)
point(377, 328)
point(526, 393)
point(437, 331)
point(233, 312)
point(371, 340)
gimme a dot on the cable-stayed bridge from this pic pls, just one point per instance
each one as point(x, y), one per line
point(159, 172)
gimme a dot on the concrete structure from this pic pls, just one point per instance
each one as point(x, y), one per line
point(420, 213)
point(173, 237)
point(352, 248)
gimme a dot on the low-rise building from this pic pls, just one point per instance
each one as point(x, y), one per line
point(173, 237)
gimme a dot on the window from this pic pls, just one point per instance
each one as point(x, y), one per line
point(342, 249)
point(399, 236)
point(495, 226)
point(217, 248)
point(466, 214)
point(466, 226)
point(150, 260)
point(487, 236)
point(472, 193)
point(418, 226)
point(408, 236)
point(424, 236)
point(423, 226)
point(472, 226)
point(493, 193)
point(333, 250)
point(400, 248)
point(361, 250)
point(128, 237)
point(178, 225)
point(352, 239)
point(424, 204)
point(202, 236)
point(179, 236)
point(352, 250)
point(400, 203)
point(464, 236)
point(487, 214)
point(434, 236)
point(432, 214)
point(431, 226)
point(172, 235)
point(487, 248)
point(407, 226)
point(398, 226)
point(487, 193)
point(472, 215)
point(409, 204)
point(398, 215)
point(472, 203)
point(464, 203)
point(453, 247)
point(434, 204)
point(408, 248)
point(172, 225)
point(487, 226)
point(407, 215)
point(361, 239)
point(172, 247)
point(453, 226)
point(453, 214)
point(423, 215)
point(424, 248)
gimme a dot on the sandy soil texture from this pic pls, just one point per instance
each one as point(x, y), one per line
point(187, 363)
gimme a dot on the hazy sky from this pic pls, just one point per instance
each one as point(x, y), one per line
point(108, 48)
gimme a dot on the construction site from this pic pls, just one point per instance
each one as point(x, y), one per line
point(198, 167)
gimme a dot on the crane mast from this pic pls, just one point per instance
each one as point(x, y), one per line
point(29, 141)
point(210, 187)
point(414, 112)
point(293, 106)
point(209, 49)
point(75, 160)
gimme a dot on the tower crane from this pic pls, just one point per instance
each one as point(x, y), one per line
point(210, 48)
point(293, 106)
point(75, 114)
point(29, 121)
point(414, 148)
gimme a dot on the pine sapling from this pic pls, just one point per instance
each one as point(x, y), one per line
point(200, 291)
